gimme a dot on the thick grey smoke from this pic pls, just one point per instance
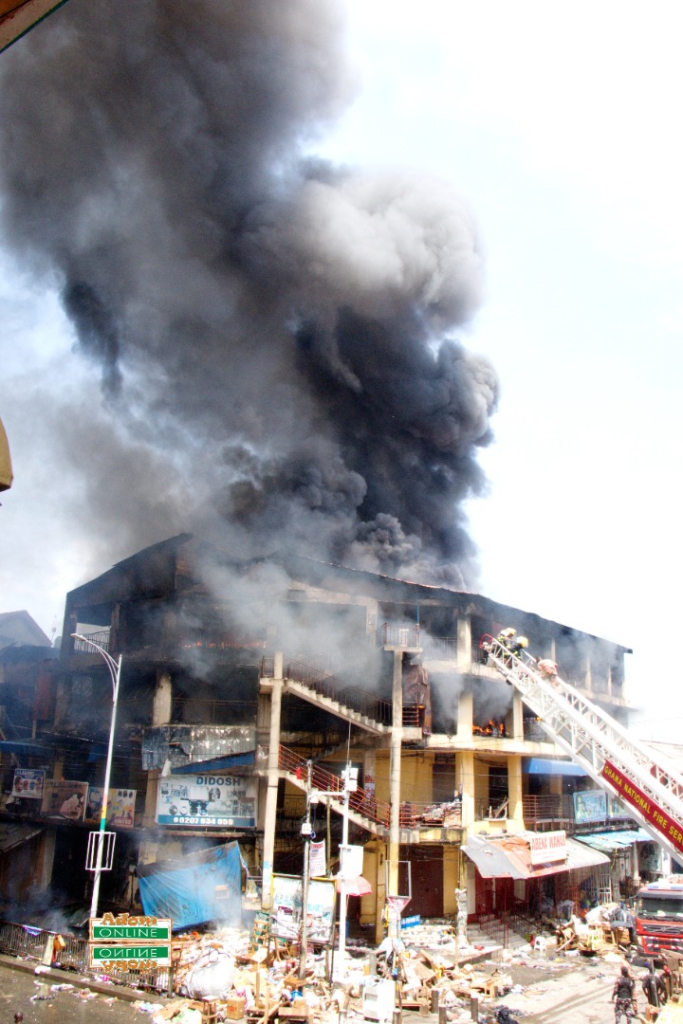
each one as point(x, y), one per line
point(278, 333)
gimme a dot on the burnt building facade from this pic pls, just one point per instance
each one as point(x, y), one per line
point(236, 676)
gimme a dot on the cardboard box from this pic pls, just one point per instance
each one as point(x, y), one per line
point(234, 1008)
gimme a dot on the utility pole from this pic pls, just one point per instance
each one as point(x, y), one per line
point(350, 777)
point(306, 832)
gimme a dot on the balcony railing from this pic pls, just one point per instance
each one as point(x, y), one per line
point(433, 815)
point(440, 648)
point(315, 675)
point(548, 808)
point(390, 635)
point(101, 638)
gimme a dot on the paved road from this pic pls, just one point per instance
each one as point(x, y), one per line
point(62, 1007)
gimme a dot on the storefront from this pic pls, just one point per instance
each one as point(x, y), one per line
point(533, 872)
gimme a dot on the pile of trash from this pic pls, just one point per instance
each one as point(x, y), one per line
point(225, 975)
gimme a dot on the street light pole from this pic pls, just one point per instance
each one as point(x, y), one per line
point(115, 673)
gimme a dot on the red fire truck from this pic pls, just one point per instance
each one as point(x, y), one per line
point(659, 915)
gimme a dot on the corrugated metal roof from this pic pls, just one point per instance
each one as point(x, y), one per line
point(12, 835)
point(18, 16)
point(610, 841)
point(510, 857)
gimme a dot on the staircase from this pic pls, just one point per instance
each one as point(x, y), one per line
point(312, 682)
point(367, 812)
point(626, 768)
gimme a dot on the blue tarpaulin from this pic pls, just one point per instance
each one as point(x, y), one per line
point(203, 887)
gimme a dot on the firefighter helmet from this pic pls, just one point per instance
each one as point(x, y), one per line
point(522, 641)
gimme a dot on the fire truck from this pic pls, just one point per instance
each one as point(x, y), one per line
point(659, 915)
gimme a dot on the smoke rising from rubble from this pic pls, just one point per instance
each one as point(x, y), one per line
point(279, 334)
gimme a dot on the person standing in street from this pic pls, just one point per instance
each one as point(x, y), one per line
point(624, 997)
point(654, 987)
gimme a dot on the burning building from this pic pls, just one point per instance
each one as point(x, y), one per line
point(283, 373)
point(206, 641)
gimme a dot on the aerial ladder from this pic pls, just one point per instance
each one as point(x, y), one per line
point(601, 746)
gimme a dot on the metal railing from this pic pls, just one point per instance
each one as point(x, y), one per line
point(360, 800)
point(38, 944)
point(548, 808)
point(440, 648)
point(495, 927)
point(392, 635)
point(315, 675)
point(213, 711)
point(101, 638)
point(432, 815)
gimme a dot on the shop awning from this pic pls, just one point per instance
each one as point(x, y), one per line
point(546, 766)
point(244, 759)
point(12, 835)
point(611, 841)
point(510, 857)
point(580, 856)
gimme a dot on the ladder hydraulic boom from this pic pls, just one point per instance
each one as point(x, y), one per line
point(601, 746)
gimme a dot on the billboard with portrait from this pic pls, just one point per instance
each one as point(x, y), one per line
point(64, 800)
point(208, 800)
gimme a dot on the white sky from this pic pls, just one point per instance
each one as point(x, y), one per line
point(560, 124)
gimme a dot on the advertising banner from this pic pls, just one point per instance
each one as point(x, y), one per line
point(28, 784)
point(208, 800)
point(120, 807)
point(64, 800)
point(633, 795)
point(590, 805)
point(285, 921)
point(130, 943)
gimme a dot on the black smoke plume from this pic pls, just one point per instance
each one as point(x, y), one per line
point(278, 334)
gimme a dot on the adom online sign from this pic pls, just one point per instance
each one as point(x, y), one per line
point(130, 943)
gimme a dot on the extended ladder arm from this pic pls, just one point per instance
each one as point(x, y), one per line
point(600, 745)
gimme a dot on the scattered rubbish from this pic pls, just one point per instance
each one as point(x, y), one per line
point(42, 992)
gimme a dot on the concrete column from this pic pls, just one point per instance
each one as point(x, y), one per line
point(556, 785)
point(515, 795)
point(514, 720)
point(636, 863)
point(451, 878)
point(47, 859)
point(464, 656)
point(150, 812)
point(162, 707)
point(395, 770)
point(465, 778)
point(273, 779)
point(465, 715)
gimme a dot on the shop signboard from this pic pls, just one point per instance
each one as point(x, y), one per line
point(548, 847)
point(287, 901)
point(221, 801)
point(120, 807)
point(64, 800)
point(28, 783)
point(130, 943)
point(129, 957)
